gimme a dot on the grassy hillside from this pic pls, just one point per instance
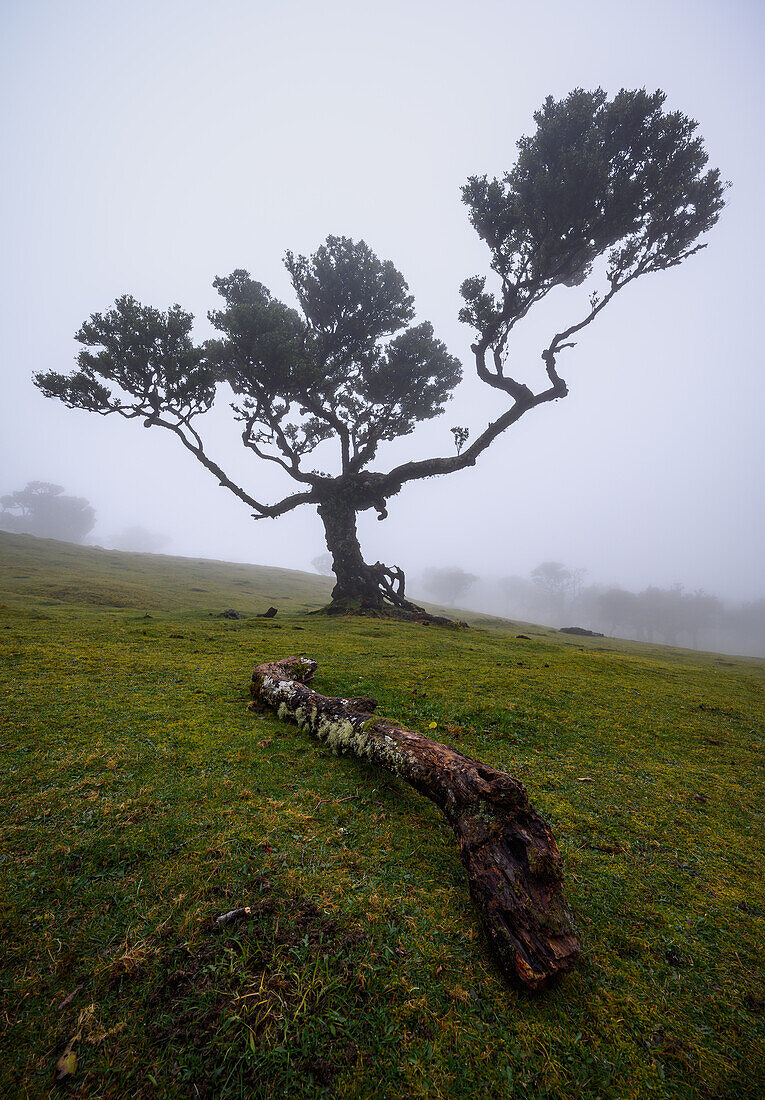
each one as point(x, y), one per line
point(140, 799)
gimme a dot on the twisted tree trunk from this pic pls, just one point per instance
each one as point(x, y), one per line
point(360, 587)
point(512, 861)
point(355, 583)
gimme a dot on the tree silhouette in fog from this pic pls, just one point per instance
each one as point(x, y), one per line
point(604, 189)
point(448, 583)
point(44, 510)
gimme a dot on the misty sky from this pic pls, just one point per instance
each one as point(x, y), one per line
point(149, 147)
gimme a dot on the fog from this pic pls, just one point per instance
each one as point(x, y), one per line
point(570, 601)
point(152, 146)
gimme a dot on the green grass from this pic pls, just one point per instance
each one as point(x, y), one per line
point(140, 799)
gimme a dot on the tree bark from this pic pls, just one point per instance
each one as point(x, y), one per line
point(510, 855)
point(356, 584)
point(360, 587)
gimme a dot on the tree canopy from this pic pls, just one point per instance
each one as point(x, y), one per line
point(347, 364)
point(448, 583)
point(44, 510)
point(608, 189)
point(621, 179)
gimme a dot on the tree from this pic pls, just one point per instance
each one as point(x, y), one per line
point(448, 583)
point(701, 613)
point(747, 621)
point(517, 593)
point(42, 509)
point(557, 582)
point(613, 189)
point(618, 610)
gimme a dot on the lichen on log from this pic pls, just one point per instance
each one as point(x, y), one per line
point(513, 864)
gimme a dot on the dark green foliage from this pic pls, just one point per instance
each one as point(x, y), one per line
point(617, 178)
point(144, 364)
point(301, 376)
point(349, 297)
point(335, 364)
point(346, 366)
point(263, 344)
point(44, 510)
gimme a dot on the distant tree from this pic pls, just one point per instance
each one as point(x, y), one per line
point(42, 509)
point(519, 594)
point(619, 181)
point(673, 616)
point(139, 540)
point(667, 615)
point(557, 582)
point(551, 576)
point(701, 613)
point(617, 610)
point(449, 583)
point(661, 613)
point(747, 624)
point(322, 564)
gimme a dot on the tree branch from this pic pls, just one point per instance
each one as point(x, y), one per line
point(292, 466)
point(558, 342)
point(432, 467)
point(367, 451)
point(513, 864)
point(251, 445)
point(517, 390)
point(291, 455)
point(271, 511)
point(195, 446)
point(334, 421)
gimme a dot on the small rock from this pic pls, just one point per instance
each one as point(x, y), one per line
point(580, 630)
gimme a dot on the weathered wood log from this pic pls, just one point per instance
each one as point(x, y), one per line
point(513, 864)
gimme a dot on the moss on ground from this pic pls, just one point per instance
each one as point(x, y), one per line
point(140, 799)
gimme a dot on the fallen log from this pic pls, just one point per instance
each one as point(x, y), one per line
point(512, 861)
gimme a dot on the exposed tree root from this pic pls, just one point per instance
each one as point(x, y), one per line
point(377, 591)
point(387, 611)
point(512, 861)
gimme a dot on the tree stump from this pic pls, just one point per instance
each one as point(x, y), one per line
point(513, 864)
